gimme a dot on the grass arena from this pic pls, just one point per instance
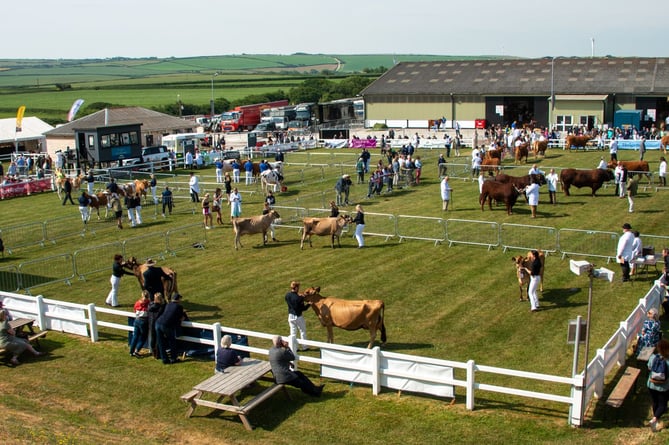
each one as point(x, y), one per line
point(454, 302)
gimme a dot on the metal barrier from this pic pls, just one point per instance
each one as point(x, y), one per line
point(421, 228)
point(65, 227)
point(480, 233)
point(146, 246)
point(384, 225)
point(454, 170)
point(46, 271)
point(24, 235)
point(9, 279)
point(520, 236)
point(587, 243)
point(658, 242)
point(186, 237)
point(95, 259)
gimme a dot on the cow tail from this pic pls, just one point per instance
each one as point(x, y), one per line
point(383, 325)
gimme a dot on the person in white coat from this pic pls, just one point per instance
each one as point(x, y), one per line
point(625, 251)
point(445, 193)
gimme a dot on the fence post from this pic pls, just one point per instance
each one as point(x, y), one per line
point(376, 370)
point(471, 375)
point(576, 414)
point(41, 309)
point(93, 322)
point(216, 330)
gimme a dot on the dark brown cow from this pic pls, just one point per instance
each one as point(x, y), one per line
point(348, 314)
point(323, 227)
point(521, 151)
point(539, 148)
point(520, 181)
point(584, 178)
point(500, 192)
point(523, 276)
point(576, 141)
point(253, 225)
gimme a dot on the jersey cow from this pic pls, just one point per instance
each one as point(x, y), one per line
point(524, 263)
point(350, 315)
point(584, 178)
point(324, 227)
point(500, 192)
point(253, 225)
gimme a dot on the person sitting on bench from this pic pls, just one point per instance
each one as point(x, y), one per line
point(12, 343)
point(280, 358)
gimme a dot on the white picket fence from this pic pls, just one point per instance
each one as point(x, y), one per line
point(378, 368)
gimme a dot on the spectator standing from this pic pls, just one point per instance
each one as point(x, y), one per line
point(194, 184)
point(167, 200)
point(359, 221)
point(445, 193)
point(343, 188)
point(642, 147)
point(188, 160)
point(206, 211)
point(235, 203)
point(280, 358)
point(296, 306)
point(625, 251)
point(90, 182)
point(441, 166)
point(166, 327)
point(632, 188)
point(613, 149)
point(118, 270)
point(156, 309)
point(659, 392)
point(140, 325)
point(662, 173)
point(360, 170)
point(418, 164)
point(552, 181)
point(216, 204)
point(227, 182)
point(226, 356)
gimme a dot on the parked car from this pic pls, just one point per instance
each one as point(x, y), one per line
point(159, 155)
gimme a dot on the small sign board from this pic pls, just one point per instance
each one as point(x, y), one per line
point(571, 332)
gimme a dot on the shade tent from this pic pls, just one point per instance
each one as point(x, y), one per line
point(30, 138)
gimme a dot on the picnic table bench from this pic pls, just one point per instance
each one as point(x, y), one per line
point(623, 387)
point(19, 325)
point(227, 384)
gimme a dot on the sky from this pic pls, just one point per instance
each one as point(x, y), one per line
point(79, 29)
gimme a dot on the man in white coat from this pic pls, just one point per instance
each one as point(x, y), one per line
point(625, 252)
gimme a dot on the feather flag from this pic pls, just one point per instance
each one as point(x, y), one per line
point(73, 111)
point(19, 117)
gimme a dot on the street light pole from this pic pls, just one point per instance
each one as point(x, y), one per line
point(211, 103)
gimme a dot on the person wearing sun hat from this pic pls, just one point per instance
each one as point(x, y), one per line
point(625, 251)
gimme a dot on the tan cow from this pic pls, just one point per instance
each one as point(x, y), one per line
point(523, 276)
point(323, 227)
point(253, 225)
point(539, 148)
point(348, 314)
point(663, 143)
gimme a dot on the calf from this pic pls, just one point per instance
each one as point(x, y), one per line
point(523, 276)
point(253, 225)
point(323, 227)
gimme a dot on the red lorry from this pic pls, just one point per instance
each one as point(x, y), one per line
point(246, 117)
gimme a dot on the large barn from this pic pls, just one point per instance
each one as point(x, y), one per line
point(584, 91)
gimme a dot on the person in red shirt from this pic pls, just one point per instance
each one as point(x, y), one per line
point(141, 324)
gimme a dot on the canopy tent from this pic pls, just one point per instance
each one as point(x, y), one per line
point(30, 138)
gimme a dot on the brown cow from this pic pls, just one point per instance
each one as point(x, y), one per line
point(521, 151)
point(323, 227)
point(634, 167)
point(663, 143)
point(494, 154)
point(539, 148)
point(253, 225)
point(576, 141)
point(523, 263)
point(169, 286)
point(584, 178)
point(348, 314)
point(500, 192)
point(98, 200)
point(490, 165)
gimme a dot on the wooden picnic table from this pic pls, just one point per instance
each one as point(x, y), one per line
point(227, 384)
point(20, 324)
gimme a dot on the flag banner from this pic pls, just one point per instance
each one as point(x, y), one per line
point(19, 117)
point(75, 108)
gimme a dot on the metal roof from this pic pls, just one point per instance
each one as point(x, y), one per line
point(152, 121)
point(570, 75)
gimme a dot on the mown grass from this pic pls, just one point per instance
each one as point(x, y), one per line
point(454, 303)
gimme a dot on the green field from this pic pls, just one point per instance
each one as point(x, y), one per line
point(456, 303)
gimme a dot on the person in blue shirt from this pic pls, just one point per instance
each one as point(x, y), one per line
point(226, 356)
